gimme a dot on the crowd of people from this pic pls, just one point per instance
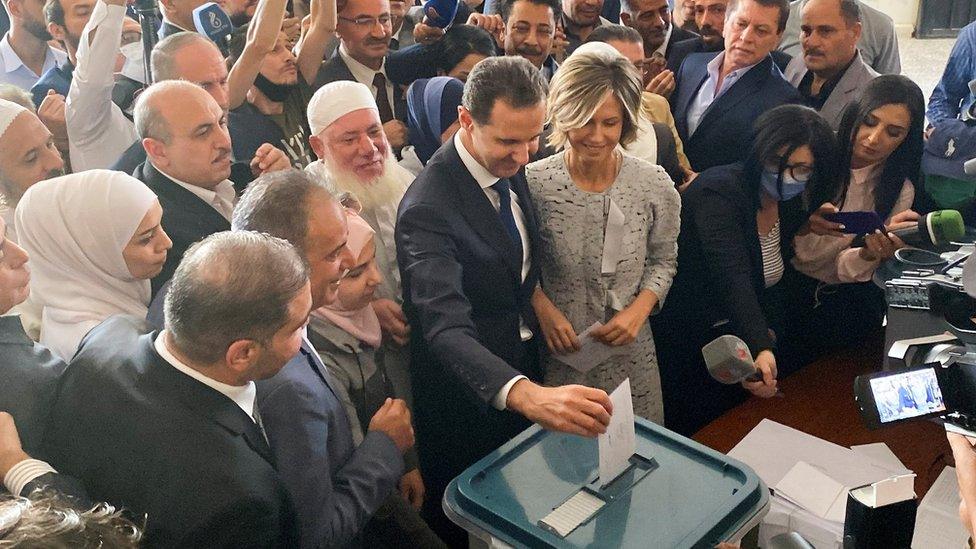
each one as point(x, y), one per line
point(279, 289)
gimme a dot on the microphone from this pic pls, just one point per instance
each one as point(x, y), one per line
point(970, 166)
point(211, 21)
point(934, 229)
point(443, 12)
point(729, 360)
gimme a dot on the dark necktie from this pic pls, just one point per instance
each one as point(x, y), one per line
point(503, 188)
point(382, 98)
point(256, 415)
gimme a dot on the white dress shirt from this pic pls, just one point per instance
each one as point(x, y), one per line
point(364, 75)
point(243, 395)
point(14, 71)
point(222, 198)
point(710, 90)
point(485, 180)
point(98, 131)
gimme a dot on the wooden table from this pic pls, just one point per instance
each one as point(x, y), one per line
point(819, 400)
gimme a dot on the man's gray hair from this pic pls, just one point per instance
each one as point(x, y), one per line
point(18, 95)
point(47, 519)
point(232, 286)
point(511, 78)
point(163, 58)
point(277, 204)
point(148, 111)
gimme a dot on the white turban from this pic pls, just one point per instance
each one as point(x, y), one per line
point(8, 112)
point(335, 100)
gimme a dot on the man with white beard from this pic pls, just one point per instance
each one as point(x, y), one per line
point(355, 157)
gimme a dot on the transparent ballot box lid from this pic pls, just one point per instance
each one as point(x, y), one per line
point(541, 489)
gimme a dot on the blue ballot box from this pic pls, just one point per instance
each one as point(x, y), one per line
point(541, 489)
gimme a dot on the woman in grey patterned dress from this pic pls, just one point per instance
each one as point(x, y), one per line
point(590, 194)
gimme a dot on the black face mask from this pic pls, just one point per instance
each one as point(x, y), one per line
point(274, 92)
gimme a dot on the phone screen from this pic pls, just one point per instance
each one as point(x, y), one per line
point(907, 395)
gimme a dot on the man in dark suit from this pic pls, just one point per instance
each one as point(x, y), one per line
point(720, 95)
point(29, 371)
point(188, 149)
point(365, 29)
point(466, 235)
point(652, 19)
point(169, 421)
point(336, 486)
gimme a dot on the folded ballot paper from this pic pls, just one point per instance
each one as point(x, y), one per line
point(815, 476)
point(592, 353)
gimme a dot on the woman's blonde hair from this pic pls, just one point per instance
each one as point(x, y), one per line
point(580, 87)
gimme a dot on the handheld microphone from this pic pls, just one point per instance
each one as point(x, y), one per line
point(443, 12)
point(729, 360)
point(211, 21)
point(934, 229)
point(970, 166)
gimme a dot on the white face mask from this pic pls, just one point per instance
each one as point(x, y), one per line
point(135, 65)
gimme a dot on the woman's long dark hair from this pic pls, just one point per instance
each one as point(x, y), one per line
point(905, 161)
point(792, 127)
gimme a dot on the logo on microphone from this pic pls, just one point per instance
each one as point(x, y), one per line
point(950, 148)
point(215, 21)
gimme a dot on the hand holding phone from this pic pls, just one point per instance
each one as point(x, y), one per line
point(857, 223)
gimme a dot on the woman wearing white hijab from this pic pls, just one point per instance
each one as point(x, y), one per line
point(94, 241)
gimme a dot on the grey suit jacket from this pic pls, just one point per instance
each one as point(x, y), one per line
point(30, 374)
point(848, 89)
point(878, 43)
point(335, 486)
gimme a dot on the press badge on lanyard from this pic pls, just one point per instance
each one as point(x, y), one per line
point(613, 235)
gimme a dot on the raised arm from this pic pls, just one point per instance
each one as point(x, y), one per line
point(97, 128)
point(314, 43)
point(261, 37)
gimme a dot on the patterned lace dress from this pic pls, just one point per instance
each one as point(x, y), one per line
point(571, 224)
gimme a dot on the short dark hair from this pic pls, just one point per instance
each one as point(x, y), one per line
point(505, 7)
point(461, 41)
point(851, 11)
point(232, 286)
point(783, 5)
point(615, 33)
point(790, 127)
point(277, 204)
point(511, 78)
point(54, 12)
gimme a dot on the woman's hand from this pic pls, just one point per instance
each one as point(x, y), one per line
point(817, 224)
point(902, 220)
point(560, 335)
point(623, 328)
point(766, 365)
point(880, 246)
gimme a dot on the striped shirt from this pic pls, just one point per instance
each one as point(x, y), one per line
point(772, 256)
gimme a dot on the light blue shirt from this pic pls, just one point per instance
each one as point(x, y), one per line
point(14, 71)
point(708, 93)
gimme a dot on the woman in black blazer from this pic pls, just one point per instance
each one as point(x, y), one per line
point(724, 284)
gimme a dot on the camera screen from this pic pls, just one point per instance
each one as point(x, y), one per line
point(907, 395)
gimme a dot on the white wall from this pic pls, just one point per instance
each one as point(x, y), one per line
point(904, 12)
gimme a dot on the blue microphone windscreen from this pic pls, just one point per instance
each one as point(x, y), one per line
point(443, 12)
point(212, 22)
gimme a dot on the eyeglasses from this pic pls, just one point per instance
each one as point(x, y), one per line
point(799, 172)
point(366, 22)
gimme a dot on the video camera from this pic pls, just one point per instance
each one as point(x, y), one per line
point(932, 376)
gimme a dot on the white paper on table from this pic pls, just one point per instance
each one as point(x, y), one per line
point(882, 456)
point(937, 521)
point(772, 449)
point(813, 490)
point(619, 443)
point(613, 238)
point(592, 353)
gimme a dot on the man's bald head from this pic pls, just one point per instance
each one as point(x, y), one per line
point(195, 58)
point(184, 132)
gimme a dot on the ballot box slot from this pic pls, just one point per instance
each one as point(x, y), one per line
point(593, 497)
